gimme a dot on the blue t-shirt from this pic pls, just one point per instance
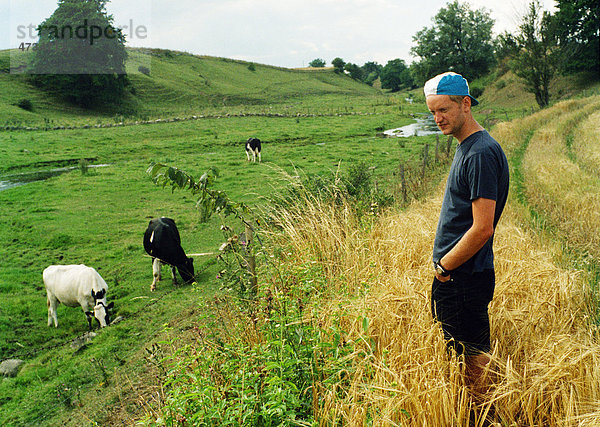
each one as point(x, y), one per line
point(479, 169)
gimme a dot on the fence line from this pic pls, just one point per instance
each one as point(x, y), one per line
point(182, 119)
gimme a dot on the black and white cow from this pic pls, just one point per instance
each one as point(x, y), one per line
point(74, 285)
point(253, 146)
point(163, 244)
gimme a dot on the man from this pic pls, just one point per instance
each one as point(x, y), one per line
point(475, 196)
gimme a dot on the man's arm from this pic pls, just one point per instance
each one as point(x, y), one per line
point(474, 239)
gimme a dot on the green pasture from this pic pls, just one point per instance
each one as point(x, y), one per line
point(98, 218)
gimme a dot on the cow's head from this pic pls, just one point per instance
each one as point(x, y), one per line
point(101, 309)
point(187, 271)
point(102, 313)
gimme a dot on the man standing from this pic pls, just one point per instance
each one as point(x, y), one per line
point(475, 196)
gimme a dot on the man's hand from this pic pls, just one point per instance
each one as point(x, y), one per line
point(442, 278)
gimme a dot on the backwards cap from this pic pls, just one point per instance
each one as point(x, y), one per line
point(448, 84)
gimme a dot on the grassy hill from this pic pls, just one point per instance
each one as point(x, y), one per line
point(506, 90)
point(178, 83)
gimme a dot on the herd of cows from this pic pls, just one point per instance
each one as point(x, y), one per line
point(80, 285)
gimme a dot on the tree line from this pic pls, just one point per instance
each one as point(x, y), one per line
point(81, 55)
point(461, 40)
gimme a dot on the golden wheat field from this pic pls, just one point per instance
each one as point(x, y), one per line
point(545, 368)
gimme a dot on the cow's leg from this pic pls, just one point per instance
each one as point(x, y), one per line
point(254, 156)
point(52, 303)
point(89, 315)
point(155, 273)
point(259, 159)
point(174, 274)
point(247, 154)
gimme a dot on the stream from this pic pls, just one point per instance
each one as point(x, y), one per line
point(422, 126)
point(16, 180)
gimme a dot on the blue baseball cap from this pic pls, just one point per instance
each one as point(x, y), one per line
point(448, 84)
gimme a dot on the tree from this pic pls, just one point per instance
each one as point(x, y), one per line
point(460, 40)
point(80, 54)
point(354, 71)
point(317, 63)
point(396, 75)
point(371, 71)
point(338, 65)
point(533, 59)
point(577, 27)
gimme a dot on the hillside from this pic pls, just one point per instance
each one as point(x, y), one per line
point(506, 90)
point(179, 83)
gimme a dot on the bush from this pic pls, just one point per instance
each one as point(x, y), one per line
point(25, 104)
point(144, 70)
point(356, 186)
point(259, 365)
point(476, 91)
point(252, 67)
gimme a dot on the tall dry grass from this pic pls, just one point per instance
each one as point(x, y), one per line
point(546, 356)
point(557, 185)
point(512, 134)
point(586, 144)
point(546, 368)
point(323, 228)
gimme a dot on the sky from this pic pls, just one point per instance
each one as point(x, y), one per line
point(285, 33)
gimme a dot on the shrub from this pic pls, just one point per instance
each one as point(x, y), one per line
point(252, 67)
point(476, 91)
point(261, 364)
point(144, 70)
point(25, 104)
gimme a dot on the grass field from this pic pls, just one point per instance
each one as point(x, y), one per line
point(360, 279)
point(98, 218)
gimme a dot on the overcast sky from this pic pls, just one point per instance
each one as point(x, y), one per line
point(287, 33)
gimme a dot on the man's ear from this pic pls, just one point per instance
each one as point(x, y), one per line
point(466, 104)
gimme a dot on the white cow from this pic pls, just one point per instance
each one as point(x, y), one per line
point(74, 285)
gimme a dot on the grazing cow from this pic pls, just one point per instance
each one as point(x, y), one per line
point(163, 244)
point(74, 285)
point(253, 146)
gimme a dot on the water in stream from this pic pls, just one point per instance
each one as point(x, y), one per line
point(11, 181)
point(423, 126)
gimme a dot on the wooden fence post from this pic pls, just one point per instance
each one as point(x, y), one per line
point(425, 161)
point(403, 183)
point(250, 260)
point(449, 145)
point(437, 147)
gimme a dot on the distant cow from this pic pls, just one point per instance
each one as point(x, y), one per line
point(253, 146)
point(163, 244)
point(74, 285)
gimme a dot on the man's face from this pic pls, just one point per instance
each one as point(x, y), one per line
point(449, 116)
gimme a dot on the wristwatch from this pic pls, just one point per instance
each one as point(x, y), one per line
point(439, 269)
